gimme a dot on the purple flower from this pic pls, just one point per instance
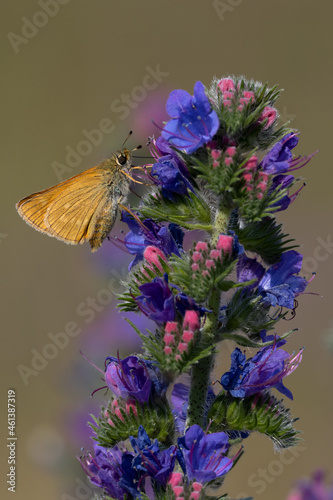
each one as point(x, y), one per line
point(179, 399)
point(159, 382)
point(161, 147)
point(128, 378)
point(312, 489)
point(265, 370)
point(279, 285)
point(248, 270)
point(193, 121)
point(168, 239)
point(280, 160)
point(167, 175)
point(106, 469)
point(157, 301)
point(279, 157)
point(203, 456)
point(152, 461)
point(281, 182)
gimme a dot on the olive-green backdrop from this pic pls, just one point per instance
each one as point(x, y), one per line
point(77, 75)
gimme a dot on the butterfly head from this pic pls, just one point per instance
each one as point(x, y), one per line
point(123, 158)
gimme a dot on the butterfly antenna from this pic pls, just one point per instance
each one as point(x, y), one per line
point(138, 147)
point(129, 135)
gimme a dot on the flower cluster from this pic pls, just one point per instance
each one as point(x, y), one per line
point(176, 341)
point(201, 457)
point(223, 167)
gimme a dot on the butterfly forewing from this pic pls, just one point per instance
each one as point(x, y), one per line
point(70, 209)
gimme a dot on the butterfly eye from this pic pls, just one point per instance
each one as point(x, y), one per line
point(122, 159)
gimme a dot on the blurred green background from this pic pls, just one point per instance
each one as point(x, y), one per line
point(59, 81)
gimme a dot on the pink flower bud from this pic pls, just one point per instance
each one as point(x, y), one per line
point(119, 414)
point(240, 107)
point(260, 196)
point(175, 479)
point(215, 254)
point(169, 339)
point(195, 495)
point(171, 326)
point(225, 243)
point(195, 267)
point(228, 161)
point(226, 85)
point(249, 95)
point(251, 163)
point(197, 486)
point(264, 176)
point(178, 357)
point(187, 336)
point(197, 257)
point(226, 103)
point(210, 264)
point(248, 177)
point(131, 405)
point(216, 153)
point(262, 186)
point(205, 273)
point(201, 246)
point(167, 349)
point(178, 490)
point(230, 151)
point(268, 114)
point(216, 163)
point(153, 255)
point(182, 347)
point(191, 321)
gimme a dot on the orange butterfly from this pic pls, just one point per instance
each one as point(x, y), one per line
point(85, 206)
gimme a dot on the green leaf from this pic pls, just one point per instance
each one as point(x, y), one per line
point(265, 238)
point(156, 418)
point(246, 312)
point(247, 342)
point(190, 212)
point(261, 412)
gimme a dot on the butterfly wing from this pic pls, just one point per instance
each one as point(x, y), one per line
point(69, 210)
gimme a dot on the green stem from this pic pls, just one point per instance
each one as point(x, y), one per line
point(200, 375)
